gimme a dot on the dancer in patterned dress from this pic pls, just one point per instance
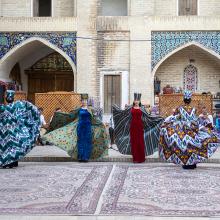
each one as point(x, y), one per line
point(82, 135)
point(136, 132)
point(19, 130)
point(184, 139)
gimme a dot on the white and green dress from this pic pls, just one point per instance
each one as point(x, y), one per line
point(19, 130)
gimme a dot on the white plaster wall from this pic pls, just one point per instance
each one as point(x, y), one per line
point(29, 60)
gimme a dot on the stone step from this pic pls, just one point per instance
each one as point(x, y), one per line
point(107, 159)
point(50, 153)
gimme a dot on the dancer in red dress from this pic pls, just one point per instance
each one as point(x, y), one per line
point(137, 134)
point(136, 131)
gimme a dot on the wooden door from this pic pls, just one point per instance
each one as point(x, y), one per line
point(64, 81)
point(35, 8)
point(187, 7)
point(112, 92)
point(41, 82)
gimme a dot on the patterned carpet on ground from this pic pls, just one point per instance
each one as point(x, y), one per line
point(110, 189)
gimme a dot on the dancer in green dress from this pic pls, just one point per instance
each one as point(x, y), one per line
point(66, 132)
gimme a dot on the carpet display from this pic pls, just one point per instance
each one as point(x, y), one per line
point(112, 189)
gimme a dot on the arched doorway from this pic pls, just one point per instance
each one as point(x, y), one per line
point(191, 67)
point(51, 73)
point(28, 53)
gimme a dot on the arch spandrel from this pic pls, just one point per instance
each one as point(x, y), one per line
point(166, 43)
point(63, 43)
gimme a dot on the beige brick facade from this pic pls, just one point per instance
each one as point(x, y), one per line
point(166, 7)
point(209, 8)
point(63, 8)
point(13, 8)
point(134, 57)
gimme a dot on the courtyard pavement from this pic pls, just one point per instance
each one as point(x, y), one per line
point(55, 154)
point(111, 190)
point(106, 190)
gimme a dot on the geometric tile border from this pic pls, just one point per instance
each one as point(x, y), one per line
point(64, 41)
point(164, 42)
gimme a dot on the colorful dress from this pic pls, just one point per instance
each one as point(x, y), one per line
point(185, 140)
point(64, 130)
point(84, 133)
point(217, 123)
point(151, 129)
point(19, 130)
point(137, 136)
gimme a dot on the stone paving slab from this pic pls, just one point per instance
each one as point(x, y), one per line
point(100, 218)
point(110, 191)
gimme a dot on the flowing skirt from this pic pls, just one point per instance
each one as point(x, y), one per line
point(185, 145)
point(137, 143)
point(66, 138)
point(19, 129)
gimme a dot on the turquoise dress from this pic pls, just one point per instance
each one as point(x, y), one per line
point(84, 133)
point(19, 130)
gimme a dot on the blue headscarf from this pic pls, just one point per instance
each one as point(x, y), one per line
point(187, 94)
point(10, 94)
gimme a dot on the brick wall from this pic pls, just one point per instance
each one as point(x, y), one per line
point(63, 8)
point(13, 8)
point(113, 55)
point(141, 8)
point(86, 49)
point(171, 71)
point(135, 57)
point(209, 8)
point(113, 7)
point(166, 7)
point(22, 8)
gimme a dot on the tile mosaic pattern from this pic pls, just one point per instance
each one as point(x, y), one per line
point(163, 191)
point(110, 189)
point(48, 189)
point(64, 41)
point(164, 42)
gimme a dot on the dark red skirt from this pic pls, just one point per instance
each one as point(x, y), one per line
point(137, 136)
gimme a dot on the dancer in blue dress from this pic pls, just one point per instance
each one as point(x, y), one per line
point(84, 131)
point(80, 133)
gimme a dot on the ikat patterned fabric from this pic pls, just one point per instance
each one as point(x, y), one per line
point(19, 129)
point(183, 140)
